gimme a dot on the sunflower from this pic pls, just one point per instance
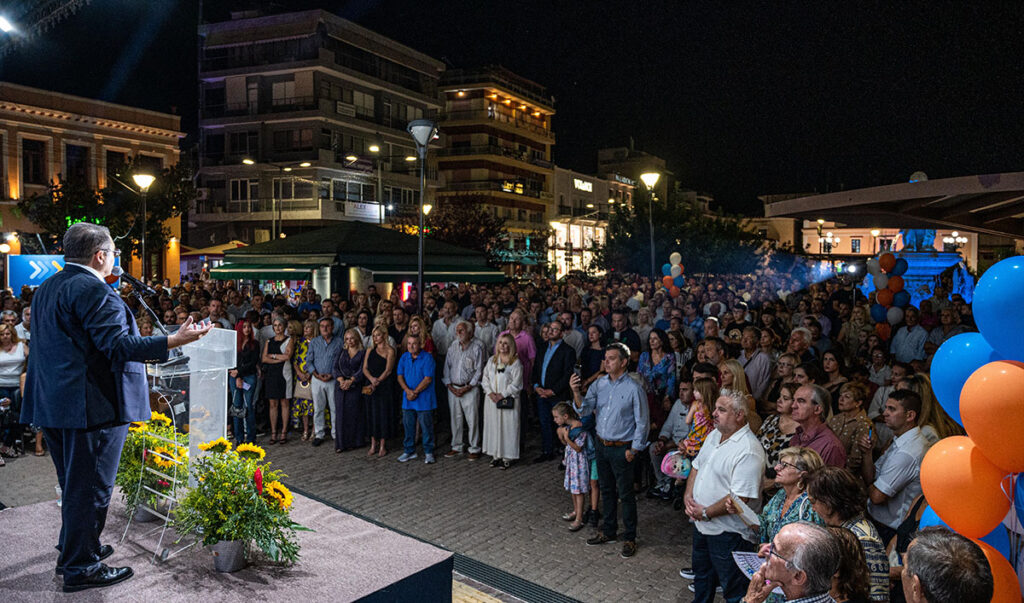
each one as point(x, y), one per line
point(137, 426)
point(158, 458)
point(218, 445)
point(160, 418)
point(280, 493)
point(250, 451)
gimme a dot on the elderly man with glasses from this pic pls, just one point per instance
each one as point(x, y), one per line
point(800, 560)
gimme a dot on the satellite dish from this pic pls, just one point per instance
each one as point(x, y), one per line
point(919, 176)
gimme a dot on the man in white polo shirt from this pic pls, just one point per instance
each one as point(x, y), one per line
point(730, 463)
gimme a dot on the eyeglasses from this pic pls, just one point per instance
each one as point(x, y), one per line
point(785, 464)
point(789, 563)
point(116, 252)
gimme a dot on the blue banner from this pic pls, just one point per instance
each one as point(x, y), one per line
point(32, 270)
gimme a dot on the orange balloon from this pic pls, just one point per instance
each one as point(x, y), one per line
point(673, 291)
point(954, 466)
point(883, 330)
point(992, 409)
point(886, 262)
point(1004, 579)
point(667, 281)
point(895, 283)
point(884, 297)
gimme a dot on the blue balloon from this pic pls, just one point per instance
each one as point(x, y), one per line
point(999, 538)
point(901, 299)
point(679, 281)
point(997, 307)
point(666, 270)
point(900, 268)
point(879, 313)
point(953, 364)
point(1018, 499)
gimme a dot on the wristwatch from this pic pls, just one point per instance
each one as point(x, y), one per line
point(704, 514)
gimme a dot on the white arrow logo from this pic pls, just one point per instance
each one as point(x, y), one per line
point(39, 268)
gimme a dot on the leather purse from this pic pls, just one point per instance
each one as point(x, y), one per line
point(506, 403)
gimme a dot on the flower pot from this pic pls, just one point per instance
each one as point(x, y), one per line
point(228, 555)
point(144, 515)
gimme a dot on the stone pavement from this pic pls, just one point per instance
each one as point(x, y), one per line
point(506, 519)
point(509, 520)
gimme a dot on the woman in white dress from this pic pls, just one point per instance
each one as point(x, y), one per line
point(503, 377)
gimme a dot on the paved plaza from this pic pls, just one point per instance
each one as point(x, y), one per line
point(495, 520)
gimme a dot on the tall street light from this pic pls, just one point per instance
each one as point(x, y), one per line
point(143, 181)
point(422, 131)
point(650, 179)
point(276, 216)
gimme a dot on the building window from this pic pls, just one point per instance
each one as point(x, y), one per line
point(364, 103)
point(115, 161)
point(214, 146)
point(290, 188)
point(855, 245)
point(283, 93)
point(33, 161)
point(245, 190)
point(245, 143)
point(291, 140)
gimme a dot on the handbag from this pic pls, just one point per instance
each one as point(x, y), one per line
point(303, 390)
point(506, 403)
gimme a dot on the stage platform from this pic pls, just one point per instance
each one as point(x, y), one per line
point(345, 559)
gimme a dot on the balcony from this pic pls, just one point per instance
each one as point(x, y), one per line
point(258, 209)
point(504, 186)
point(493, 149)
point(517, 121)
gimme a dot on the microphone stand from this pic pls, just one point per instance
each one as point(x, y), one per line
point(176, 352)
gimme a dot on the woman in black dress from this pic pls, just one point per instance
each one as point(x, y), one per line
point(276, 352)
point(348, 395)
point(379, 370)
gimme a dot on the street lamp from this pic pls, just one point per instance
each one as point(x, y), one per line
point(143, 181)
point(275, 219)
point(378, 161)
point(650, 179)
point(422, 131)
point(874, 240)
point(955, 239)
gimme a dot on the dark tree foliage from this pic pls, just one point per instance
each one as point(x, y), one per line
point(117, 206)
point(715, 243)
point(460, 220)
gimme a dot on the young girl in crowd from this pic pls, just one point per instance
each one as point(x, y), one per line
point(577, 460)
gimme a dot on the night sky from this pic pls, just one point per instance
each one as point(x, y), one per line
point(741, 100)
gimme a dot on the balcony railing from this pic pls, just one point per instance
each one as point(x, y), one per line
point(493, 149)
point(504, 186)
point(251, 206)
point(518, 120)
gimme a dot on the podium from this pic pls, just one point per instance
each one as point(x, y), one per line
point(193, 385)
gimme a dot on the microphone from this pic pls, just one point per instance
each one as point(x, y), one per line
point(139, 285)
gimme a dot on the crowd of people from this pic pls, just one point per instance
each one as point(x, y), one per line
point(789, 403)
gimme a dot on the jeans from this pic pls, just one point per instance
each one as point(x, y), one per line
point(242, 398)
point(615, 477)
point(426, 419)
point(547, 424)
point(714, 566)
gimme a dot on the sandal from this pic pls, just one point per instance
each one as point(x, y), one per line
point(283, 439)
point(576, 526)
point(372, 451)
point(569, 516)
point(305, 436)
point(383, 452)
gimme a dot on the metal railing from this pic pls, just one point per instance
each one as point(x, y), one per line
point(491, 185)
point(518, 120)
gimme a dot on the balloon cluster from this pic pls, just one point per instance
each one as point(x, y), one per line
point(887, 272)
point(672, 274)
point(978, 378)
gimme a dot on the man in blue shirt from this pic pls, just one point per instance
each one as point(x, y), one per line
point(416, 377)
point(620, 406)
point(323, 353)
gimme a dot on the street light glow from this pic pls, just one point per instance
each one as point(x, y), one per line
point(6, 27)
point(875, 232)
point(143, 181)
point(650, 179)
point(305, 164)
point(410, 158)
point(374, 148)
point(248, 161)
point(426, 209)
point(351, 158)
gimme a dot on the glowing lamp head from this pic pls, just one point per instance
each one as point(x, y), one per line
point(143, 181)
point(650, 179)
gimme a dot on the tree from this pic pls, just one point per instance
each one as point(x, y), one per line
point(460, 220)
point(117, 206)
point(715, 243)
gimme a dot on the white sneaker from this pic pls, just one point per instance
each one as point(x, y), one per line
point(429, 459)
point(693, 590)
point(406, 457)
point(686, 573)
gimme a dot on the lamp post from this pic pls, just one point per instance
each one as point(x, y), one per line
point(422, 131)
point(827, 242)
point(276, 220)
point(956, 240)
point(874, 240)
point(378, 161)
point(650, 179)
point(143, 181)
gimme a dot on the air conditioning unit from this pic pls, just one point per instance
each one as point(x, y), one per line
point(202, 194)
point(345, 109)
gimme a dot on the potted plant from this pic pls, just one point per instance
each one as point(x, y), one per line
point(237, 500)
point(149, 444)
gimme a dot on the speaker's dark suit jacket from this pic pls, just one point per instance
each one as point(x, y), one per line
point(558, 373)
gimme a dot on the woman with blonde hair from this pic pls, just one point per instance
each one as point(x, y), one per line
point(379, 370)
point(734, 378)
point(502, 380)
point(418, 328)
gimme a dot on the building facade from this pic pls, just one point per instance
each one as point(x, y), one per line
point(579, 222)
point(498, 141)
point(631, 162)
point(303, 124)
point(47, 136)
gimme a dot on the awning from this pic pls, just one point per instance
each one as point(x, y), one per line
point(262, 272)
point(460, 274)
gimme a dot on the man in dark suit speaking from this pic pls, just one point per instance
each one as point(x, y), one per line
point(85, 383)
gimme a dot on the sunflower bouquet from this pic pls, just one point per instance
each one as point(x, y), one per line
point(155, 444)
point(238, 497)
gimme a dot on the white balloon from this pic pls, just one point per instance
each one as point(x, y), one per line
point(1012, 523)
point(873, 268)
point(881, 281)
point(676, 270)
point(895, 315)
point(674, 259)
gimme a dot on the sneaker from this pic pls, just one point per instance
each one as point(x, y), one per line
point(628, 549)
point(429, 459)
point(600, 538)
point(687, 573)
point(474, 456)
point(693, 590)
point(496, 462)
point(406, 457)
point(317, 442)
point(452, 453)
point(505, 465)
